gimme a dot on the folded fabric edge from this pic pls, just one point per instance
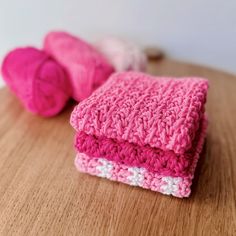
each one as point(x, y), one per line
point(175, 186)
point(84, 117)
point(158, 161)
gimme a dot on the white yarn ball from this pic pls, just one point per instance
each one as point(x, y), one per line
point(123, 55)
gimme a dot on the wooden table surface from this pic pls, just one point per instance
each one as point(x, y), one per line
point(41, 193)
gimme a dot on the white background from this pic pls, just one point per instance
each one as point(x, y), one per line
point(201, 31)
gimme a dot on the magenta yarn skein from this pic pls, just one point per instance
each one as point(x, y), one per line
point(86, 67)
point(37, 80)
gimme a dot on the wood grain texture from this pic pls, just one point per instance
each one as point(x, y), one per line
point(41, 193)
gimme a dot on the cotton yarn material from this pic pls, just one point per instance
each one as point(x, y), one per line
point(86, 67)
point(143, 130)
point(123, 55)
point(37, 80)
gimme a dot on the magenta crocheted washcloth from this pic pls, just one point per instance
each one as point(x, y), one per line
point(141, 121)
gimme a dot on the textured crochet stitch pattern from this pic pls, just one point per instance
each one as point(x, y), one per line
point(153, 159)
point(142, 121)
point(142, 177)
point(164, 112)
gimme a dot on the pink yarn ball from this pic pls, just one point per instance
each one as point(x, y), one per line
point(123, 55)
point(87, 68)
point(37, 80)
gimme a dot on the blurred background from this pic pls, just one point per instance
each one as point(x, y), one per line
point(196, 31)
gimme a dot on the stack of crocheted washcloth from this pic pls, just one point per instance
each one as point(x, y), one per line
point(142, 130)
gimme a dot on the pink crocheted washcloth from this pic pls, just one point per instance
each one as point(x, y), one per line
point(144, 122)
